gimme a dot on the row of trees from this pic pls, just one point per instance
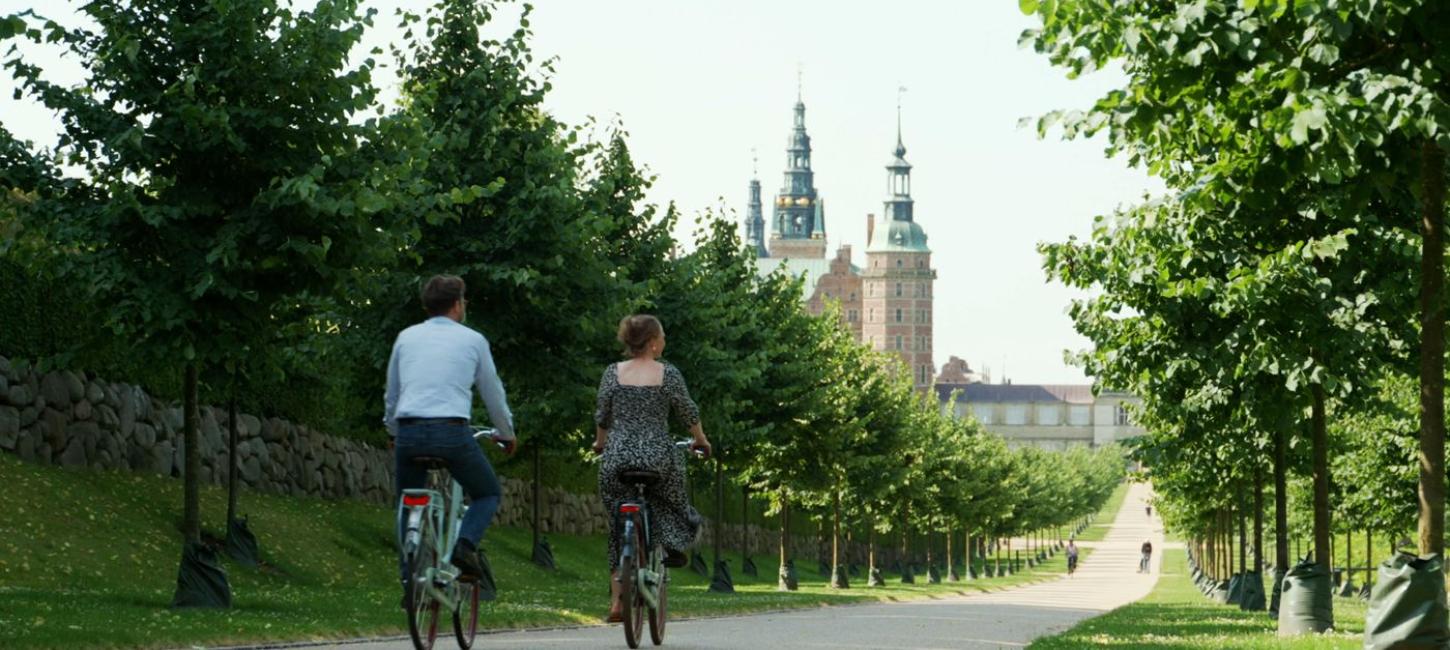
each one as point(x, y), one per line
point(1281, 307)
point(240, 204)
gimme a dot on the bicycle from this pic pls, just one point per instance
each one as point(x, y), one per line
point(432, 582)
point(644, 579)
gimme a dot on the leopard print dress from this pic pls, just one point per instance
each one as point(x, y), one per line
point(637, 418)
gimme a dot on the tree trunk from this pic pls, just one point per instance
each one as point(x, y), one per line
point(744, 525)
point(784, 531)
point(1368, 556)
point(951, 561)
point(232, 459)
point(1213, 551)
point(1258, 521)
point(835, 534)
point(1432, 350)
point(191, 462)
point(968, 548)
point(1281, 502)
point(538, 503)
point(719, 509)
point(1319, 447)
point(870, 549)
point(1243, 541)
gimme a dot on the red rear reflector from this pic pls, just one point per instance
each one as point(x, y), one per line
point(629, 508)
point(413, 500)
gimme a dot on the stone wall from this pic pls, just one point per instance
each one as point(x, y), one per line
point(76, 419)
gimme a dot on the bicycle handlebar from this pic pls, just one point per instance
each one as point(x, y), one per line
point(690, 444)
point(492, 434)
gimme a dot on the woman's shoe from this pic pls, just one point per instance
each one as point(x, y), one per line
point(616, 615)
point(676, 559)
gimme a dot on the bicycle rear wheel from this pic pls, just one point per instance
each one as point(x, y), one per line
point(465, 618)
point(422, 608)
point(657, 615)
point(632, 598)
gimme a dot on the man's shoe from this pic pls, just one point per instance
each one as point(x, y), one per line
point(465, 558)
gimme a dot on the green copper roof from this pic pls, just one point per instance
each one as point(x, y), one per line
point(893, 236)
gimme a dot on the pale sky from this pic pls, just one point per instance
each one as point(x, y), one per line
point(699, 84)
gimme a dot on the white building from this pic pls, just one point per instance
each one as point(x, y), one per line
point(1049, 416)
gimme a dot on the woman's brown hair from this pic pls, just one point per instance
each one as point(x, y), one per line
point(636, 332)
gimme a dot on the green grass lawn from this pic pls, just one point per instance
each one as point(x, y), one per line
point(89, 559)
point(1104, 519)
point(1176, 615)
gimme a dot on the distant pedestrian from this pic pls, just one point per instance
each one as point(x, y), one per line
point(1071, 557)
point(1148, 510)
point(1147, 555)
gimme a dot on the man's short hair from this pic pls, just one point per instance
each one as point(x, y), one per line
point(441, 292)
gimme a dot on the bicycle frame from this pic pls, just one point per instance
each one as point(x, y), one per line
point(649, 575)
point(428, 507)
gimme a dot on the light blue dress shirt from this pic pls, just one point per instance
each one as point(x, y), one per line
point(433, 369)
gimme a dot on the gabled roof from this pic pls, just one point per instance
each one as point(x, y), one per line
point(1017, 393)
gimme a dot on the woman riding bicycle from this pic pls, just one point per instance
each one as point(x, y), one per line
point(636, 398)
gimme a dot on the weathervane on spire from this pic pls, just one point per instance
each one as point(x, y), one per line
point(900, 90)
point(799, 80)
point(754, 163)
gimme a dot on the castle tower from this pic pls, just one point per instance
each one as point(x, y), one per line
point(755, 221)
point(898, 277)
point(799, 230)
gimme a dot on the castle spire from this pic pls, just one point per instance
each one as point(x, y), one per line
point(754, 217)
point(798, 212)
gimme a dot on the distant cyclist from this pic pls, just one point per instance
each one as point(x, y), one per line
point(433, 370)
point(1071, 557)
point(1147, 555)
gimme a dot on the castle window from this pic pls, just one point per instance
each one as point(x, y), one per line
point(898, 264)
point(898, 289)
point(898, 315)
point(898, 341)
point(1121, 417)
point(983, 413)
point(873, 314)
point(852, 316)
point(1016, 414)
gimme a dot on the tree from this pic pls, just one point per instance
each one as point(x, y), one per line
point(1346, 98)
point(222, 170)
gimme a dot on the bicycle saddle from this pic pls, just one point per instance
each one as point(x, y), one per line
point(430, 462)
point(639, 476)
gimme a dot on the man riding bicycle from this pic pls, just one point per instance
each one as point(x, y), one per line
point(431, 373)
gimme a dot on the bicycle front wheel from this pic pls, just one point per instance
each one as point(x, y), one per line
point(465, 618)
point(421, 606)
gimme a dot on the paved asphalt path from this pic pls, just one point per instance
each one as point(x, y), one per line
point(1003, 619)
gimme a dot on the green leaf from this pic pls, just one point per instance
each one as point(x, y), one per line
point(1028, 7)
point(11, 25)
point(1311, 118)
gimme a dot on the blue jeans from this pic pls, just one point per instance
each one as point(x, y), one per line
point(466, 463)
